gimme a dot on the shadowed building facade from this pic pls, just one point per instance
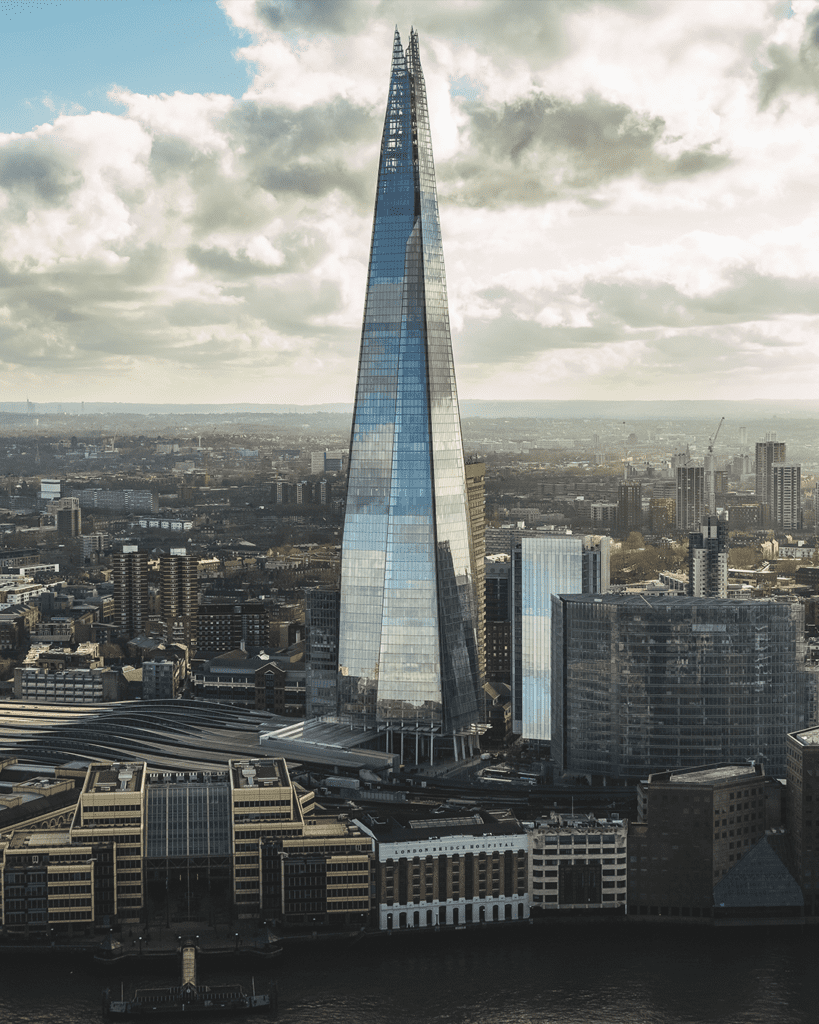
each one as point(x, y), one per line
point(408, 652)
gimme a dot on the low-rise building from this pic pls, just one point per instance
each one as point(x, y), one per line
point(449, 871)
point(696, 827)
point(578, 862)
point(162, 679)
point(70, 686)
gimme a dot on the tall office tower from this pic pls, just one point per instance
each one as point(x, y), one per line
point(767, 453)
point(661, 515)
point(476, 496)
point(708, 559)
point(67, 516)
point(803, 798)
point(320, 651)
point(498, 602)
point(131, 590)
point(596, 565)
point(786, 496)
point(643, 684)
point(179, 595)
point(629, 506)
point(690, 496)
point(541, 567)
point(408, 655)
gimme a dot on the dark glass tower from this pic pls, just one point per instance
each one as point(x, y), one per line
point(407, 638)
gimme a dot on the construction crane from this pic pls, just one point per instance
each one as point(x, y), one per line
point(710, 484)
point(712, 440)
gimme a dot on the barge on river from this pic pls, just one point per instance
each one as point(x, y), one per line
point(189, 998)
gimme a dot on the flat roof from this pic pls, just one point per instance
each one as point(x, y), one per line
point(255, 772)
point(473, 826)
point(123, 776)
point(25, 840)
point(707, 775)
point(808, 737)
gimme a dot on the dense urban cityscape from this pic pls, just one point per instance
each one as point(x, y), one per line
point(278, 673)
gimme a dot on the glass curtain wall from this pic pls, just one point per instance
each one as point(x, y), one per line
point(407, 632)
point(649, 684)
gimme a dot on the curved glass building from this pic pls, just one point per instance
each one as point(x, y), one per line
point(408, 655)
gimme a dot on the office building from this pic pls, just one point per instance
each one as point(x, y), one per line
point(320, 651)
point(519, 588)
point(450, 871)
point(596, 578)
point(476, 497)
point(802, 756)
point(326, 462)
point(786, 497)
point(604, 513)
point(662, 515)
point(67, 516)
point(690, 497)
point(92, 544)
point(162, 678)
point(578, 863)
point(130, 590)
point(767, 453)
point(116, 501)
point(703, 847)
point(498, 602)
point(42, 685)
point(629, 506)
point(179, 595)
point(148, 848)
point(50, 490)
point(408, 647)
point(644, 683)
point(224, 625)
point(540, 567)
point(708, 559)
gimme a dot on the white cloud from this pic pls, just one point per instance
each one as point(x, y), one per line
point(627, 206)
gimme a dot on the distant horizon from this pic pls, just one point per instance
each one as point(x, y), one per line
point(686, 409)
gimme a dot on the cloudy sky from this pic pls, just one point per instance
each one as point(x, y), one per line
point(628, 196)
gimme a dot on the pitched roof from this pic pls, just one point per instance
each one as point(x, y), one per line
point(760, 879)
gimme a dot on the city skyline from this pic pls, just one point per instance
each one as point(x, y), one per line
point(626, 192)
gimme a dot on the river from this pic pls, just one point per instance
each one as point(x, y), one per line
point(607, 974)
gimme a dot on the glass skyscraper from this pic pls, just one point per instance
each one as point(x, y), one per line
point(407, 632)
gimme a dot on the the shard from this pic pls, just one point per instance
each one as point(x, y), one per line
point(408, 658)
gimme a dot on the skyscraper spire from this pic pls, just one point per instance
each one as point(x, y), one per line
point(407, 640)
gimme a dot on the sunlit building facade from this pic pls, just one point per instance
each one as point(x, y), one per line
point(541, 568)
point(408, 656)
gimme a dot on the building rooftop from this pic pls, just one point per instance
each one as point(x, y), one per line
point(37, 840)
point(566, 824)
point(708, 775)
point(251, 774)
point(807, 737)
point(122, 776)
point(478, 825)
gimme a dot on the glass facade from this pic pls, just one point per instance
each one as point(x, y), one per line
point(542, 567)
point(320, 651)
point(646, 684)
point(188, 819)
point(407, 633)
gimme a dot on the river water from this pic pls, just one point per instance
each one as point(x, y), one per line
point(605, 974)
